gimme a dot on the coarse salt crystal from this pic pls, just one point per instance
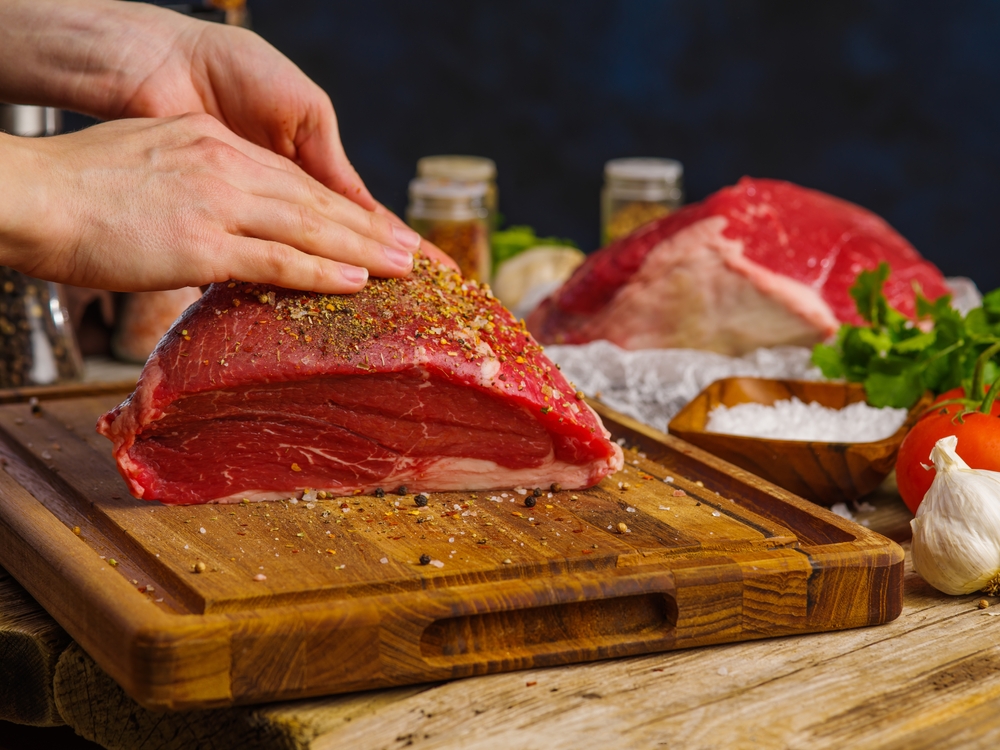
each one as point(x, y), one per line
point(437, 563)
point(202, 530)
point(384, 560)
point(630, 509)
point(520, 491)
point(668, 480)
point(793, 419)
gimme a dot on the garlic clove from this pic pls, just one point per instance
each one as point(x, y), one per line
point(956, 532)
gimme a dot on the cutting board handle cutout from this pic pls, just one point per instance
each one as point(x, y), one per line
point(613, 622)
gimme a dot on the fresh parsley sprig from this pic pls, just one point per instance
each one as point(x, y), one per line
point(898, 359)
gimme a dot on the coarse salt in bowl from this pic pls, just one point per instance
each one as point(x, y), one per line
point(794, 419)
point(819, 440)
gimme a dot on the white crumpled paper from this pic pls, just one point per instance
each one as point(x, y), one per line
point(652, 385)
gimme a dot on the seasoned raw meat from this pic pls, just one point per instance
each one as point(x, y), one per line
point(260, 392)
point(760, 263)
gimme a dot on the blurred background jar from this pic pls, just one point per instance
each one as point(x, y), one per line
point(37, 344)
point(453, 216)
point(460, 168)
point(637, 191)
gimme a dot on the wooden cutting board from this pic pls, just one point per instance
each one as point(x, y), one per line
point(190, 607)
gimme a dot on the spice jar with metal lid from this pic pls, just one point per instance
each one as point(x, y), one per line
point(465, 169)
point(453, 216)
point(637, 191)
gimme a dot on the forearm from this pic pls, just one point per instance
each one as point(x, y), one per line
point(85, 55)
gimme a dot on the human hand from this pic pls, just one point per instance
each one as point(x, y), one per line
point(136, 205)
point(237, 77)
point(114, 59)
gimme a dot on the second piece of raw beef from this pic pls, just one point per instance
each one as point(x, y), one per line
point(761, 263)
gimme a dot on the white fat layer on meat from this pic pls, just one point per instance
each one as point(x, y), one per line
point(696, 289)
point(461, 474)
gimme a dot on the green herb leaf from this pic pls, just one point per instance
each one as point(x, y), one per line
point(897, 359)
point(828, 360)
point(894, 383)
point(867, 294)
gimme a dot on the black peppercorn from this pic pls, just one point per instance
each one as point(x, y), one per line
point(529, 502)
point(555, 487)
point(379, 492)
point(425, 559)
point(401, 490)
point(537, 492)
point(421, 501)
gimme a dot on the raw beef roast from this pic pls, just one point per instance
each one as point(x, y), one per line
point(760, 263)
point(260, 392)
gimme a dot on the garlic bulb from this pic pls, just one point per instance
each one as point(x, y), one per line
point(956, 532)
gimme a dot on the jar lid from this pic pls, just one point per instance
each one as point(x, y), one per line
point(457, 167)
point(645, 169)
point(446, 200)
point(438, 189)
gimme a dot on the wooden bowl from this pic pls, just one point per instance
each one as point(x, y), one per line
point(825, 473)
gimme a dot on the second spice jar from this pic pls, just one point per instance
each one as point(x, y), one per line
point(637, 191)
point(453, 216)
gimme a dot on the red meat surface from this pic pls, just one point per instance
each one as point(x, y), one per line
point(760, 263)
point(259, 392)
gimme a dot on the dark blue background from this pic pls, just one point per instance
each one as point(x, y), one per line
point(892, 105)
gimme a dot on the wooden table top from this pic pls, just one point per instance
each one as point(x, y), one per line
point(928, 679)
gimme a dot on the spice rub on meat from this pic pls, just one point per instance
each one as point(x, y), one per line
point(260, 392)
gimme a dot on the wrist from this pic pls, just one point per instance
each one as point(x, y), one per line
point(85, 55)
point(30, 228)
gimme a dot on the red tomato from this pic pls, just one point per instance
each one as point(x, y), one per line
point(978, 445)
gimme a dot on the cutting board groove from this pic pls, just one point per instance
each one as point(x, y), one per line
point(298, 599)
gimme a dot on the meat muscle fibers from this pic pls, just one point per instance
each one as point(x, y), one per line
point(260, 392)
point(761, 263)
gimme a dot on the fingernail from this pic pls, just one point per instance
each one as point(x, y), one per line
point(406, 237)
point(398, 257)
point(354, 274)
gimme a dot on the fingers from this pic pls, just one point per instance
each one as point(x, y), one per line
point(284, 205)
point(309, 231)
point(264, 262)
point(322, 155)
point(303, 191)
